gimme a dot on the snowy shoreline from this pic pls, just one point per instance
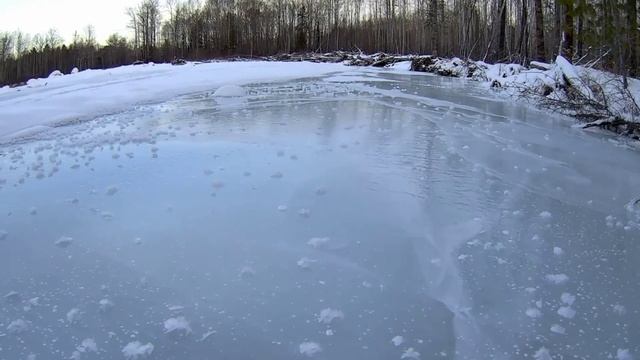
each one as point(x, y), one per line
point(63, 99)
point(597, 99)
point(559, 87)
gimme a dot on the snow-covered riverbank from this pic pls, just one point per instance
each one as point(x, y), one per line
point(597, 98)
point(592, 96)
point(87, 94)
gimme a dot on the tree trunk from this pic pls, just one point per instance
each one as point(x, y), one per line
point(539, 34)
point(567, 34)
point(502, 27)
point(522, 42)
point(632, 25)
point(433, 20)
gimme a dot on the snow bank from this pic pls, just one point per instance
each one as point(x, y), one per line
point(578, 91)
point(597, 93)
point(91, 93)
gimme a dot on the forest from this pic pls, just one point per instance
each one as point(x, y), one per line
point(600, 33)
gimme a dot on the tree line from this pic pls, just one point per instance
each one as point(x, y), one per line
point(600, 32)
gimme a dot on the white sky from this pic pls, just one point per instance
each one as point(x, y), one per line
point(38, 16)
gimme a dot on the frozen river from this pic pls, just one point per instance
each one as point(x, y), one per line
point(361, 215)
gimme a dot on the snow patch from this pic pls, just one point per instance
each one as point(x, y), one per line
point(410, 353)
point(305, 263)
point(105, 305)
point(326, 316)
point(542, 354)
point(545, 215)
point(178, 325)
point(230, 91)
point(567, 298)
point(135, 350)
point(533, 313)
point(555, 328)
point(624, 354)
point(74, 316)
point(88, 345)
point(310, 348)
point(619, 309)
point(397, 340)
point(557, 279)
point(17, 326)
point(64, 242)
point(318, 242)
point(566, 312)
point(247, 272)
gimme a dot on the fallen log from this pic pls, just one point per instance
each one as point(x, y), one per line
point(617, 125)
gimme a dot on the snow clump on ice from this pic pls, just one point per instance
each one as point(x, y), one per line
point(230, 91)
point(317, 242)
point(397, 340)
point(326, 316)
point(64, 242)
point(310, 348)
point(557, 278)
point(410, 353)
point(178, 325)
point(17, 326)
point(136, 350)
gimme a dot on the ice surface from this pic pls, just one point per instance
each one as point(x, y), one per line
point(419, 207)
